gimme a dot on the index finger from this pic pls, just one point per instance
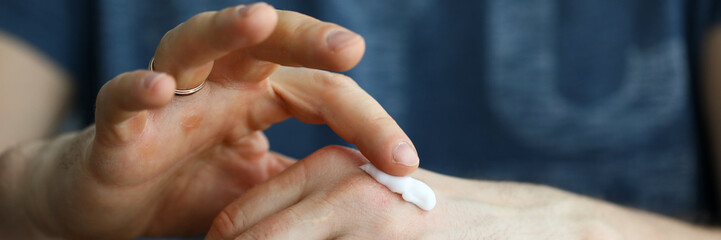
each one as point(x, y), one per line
point(210, 35)
point(187, 52)
point(317, 96)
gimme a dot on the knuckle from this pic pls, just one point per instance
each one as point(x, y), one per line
point(333, 81)
point(332, 150)
point(382, 123)
point(166, 56)
point(360, 186)
point(354, 182)
point(227, 224)
point(272, 226)
point(254, 145)
point(165, 43)
point(339, 155)
point(384, 119)
point(298, 24)
point(373, 199)
point(255, 234)
point(177, 39)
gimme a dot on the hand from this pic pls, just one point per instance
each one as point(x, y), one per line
point(326, 196)
point(159, 165)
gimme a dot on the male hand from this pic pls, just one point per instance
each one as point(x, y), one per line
point(327, 196)
point(156, 164)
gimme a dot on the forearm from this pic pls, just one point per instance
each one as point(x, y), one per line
point(556, 214)
point(27, 177)
point(635, 224)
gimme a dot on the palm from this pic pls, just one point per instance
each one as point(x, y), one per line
point(203, 151)
point(171, 169)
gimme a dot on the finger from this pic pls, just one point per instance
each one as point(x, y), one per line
point(258, 203)
point(125, 98)
point(188, 50)
point(282, 191)
point(257, 163)
point(283, 162)
point(316, 96)
point(309, 219)
point(300, 40)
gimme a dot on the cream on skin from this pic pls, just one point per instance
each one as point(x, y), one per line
point(412, 190)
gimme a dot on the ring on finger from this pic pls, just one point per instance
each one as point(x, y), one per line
point(179, 92)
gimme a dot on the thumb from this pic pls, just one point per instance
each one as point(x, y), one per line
point(122, 103)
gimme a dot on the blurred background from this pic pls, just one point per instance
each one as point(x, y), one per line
point(594, 97)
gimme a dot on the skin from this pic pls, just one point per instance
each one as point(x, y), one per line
point(159, 165)
point(327, 196)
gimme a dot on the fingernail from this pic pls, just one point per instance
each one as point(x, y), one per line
point(243, 10)
point(404, 155)
point(151, 79)
point(339, 38)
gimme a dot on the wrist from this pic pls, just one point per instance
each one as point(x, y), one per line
point(33, 174)
point(15, 221)
point(636, 224)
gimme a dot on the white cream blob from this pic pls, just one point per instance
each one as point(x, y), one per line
point(411, 189)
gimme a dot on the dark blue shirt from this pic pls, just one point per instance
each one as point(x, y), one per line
point(594, 97)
